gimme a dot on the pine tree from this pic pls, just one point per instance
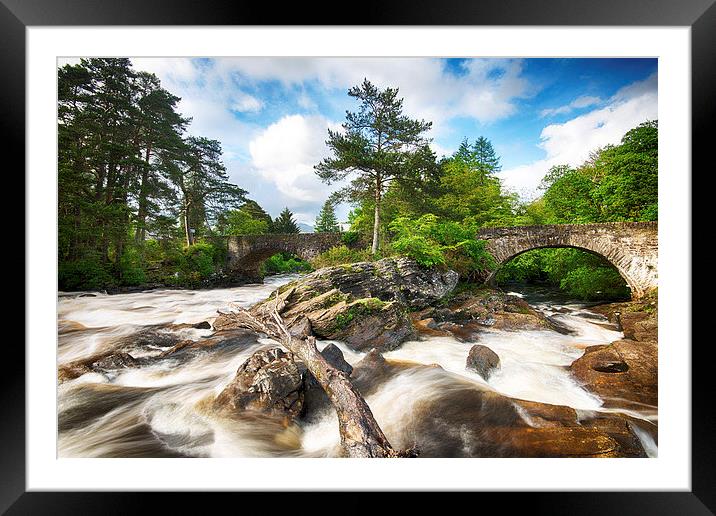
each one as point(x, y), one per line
point(326, 222)
point(284, 223)
point(378, 146)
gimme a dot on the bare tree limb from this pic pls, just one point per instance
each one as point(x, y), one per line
point(360, 434)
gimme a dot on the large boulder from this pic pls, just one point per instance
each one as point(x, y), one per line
point(623, 373)
point(390, 279)
point(270, 381)
point(364, 304)
point(482, 360)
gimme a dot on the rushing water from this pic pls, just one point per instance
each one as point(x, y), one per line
point(161, 408)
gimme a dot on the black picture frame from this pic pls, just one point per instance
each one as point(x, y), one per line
point(700, 15)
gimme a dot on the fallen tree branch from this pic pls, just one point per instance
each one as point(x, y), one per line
point(360, 434)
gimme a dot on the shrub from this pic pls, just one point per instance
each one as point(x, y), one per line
point(341, 255)
point(87, 273)
point(432, 242)
point(131, 267)
point(350, 237)
point(282, 263)
point(197, 263)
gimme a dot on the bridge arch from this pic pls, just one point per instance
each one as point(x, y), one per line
point(631, 247)
point(246, 253)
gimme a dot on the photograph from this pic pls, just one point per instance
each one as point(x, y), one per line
point(357, 257)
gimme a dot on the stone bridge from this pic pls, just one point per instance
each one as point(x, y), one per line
point(632, 247)
point(245, 253)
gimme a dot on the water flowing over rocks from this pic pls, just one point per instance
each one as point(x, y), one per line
point(470, 312)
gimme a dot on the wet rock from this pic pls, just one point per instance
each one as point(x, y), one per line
point(270, 381)
point(315, 398)
point(334, 356)
point(220, 340)
point(462, 420)
point(482, 360)
point(622, 373)
point(366, 304)
point(115, 361)
point(203, 325)
point(371, 371)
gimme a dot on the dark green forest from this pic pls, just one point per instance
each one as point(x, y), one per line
point(142, 202)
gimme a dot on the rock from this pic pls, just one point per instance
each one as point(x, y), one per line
point(624, 372)
point(315, 398)
point(203, 325)
point(482, 360)
point(270, 381)
point(467, 421)
point(389, 279)
point(365, 304)
point(115, 361)
point(223, 339)
point(334, 356)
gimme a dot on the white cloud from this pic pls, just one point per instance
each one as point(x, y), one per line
point(245, 103)
point(571, 142)
point(285, 153)
point(486, 89)
point(578, 103)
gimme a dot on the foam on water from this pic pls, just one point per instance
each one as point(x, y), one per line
point(160, 409)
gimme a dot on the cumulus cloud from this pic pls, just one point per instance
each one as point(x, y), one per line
point(285, 152)
point(571, 142)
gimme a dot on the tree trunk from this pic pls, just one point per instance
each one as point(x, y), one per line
point(143, 194)
point(376, 220)
point(360, 434)
point(187, 229)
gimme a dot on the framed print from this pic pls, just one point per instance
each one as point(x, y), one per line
point(417, 252)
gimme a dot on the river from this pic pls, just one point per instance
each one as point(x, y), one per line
point(160, 408)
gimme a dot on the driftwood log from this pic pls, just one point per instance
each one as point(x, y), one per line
point(360, 434)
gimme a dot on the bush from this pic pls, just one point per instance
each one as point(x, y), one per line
point(131, 267)
point(197, 263)
point(350, 237)
point(283, 263)
point(341, 255)
point(87, 273)
point(432, 242)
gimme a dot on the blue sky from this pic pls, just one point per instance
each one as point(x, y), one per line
point(272, 114)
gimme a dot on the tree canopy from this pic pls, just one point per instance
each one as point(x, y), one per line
point(378, 145)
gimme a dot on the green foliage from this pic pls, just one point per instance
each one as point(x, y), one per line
point(350, 237)
point(282, 263)
point(87, 273)
point(579, 273)
point(326, 222)
point(197, 263)
point(432, 242)
point(240, 222)
point(132, 267)
point(285, 223)
point(341, 255)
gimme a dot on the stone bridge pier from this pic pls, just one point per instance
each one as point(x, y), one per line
point(246, 253)
point(632, 247)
